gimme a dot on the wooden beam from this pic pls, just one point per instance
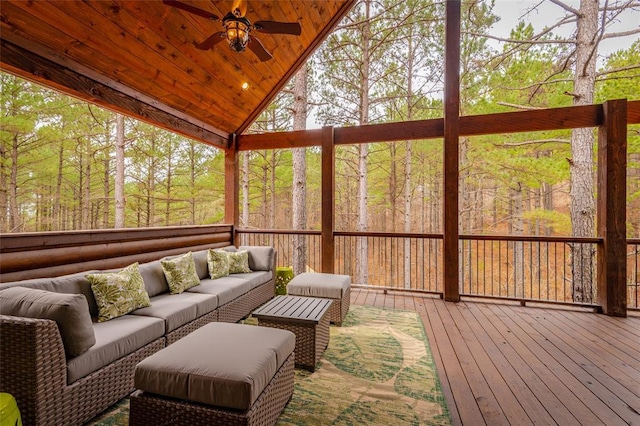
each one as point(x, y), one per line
point(69, 79)
point(611, 209)
point(296, 66)
point(328, 200)
point(231, 186)
point(470, 125)
point(451, 148)
point(280, 140)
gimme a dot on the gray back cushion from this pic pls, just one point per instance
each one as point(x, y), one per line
point(69, 311)
point(69, 284)
point(260, 257)
point(153, 276)
point(200, 259)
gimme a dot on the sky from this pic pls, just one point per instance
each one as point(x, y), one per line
point(546, 13)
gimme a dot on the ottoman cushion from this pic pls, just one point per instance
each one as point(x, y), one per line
point(331, 286)
point(220, 364)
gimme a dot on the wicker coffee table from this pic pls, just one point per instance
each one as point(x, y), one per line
point(306, 317)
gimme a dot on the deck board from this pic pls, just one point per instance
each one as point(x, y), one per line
point(507, 364)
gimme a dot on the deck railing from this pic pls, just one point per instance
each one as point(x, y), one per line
point(521, 268)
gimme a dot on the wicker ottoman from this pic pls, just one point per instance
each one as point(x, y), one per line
point(326, 286)
point(221, 374)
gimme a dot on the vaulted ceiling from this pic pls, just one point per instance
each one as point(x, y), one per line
point(139, 58)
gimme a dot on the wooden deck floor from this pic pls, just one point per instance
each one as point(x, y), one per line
point(504, 364)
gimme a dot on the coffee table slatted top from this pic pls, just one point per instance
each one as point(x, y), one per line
point(294, 309)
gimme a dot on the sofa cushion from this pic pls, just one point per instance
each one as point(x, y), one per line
point(71, 284)
point(255, 278)
point(200, 260)
point(218, 263)
point(199, 368)
point(178, 309)
point(260, 257)
point(114, 339)
point(239, 262)
point(180, 272)
point(118, 293)
point(225, 289)
point(153, 276)
point(69, 311)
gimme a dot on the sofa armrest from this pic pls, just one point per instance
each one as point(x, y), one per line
point(32, 366)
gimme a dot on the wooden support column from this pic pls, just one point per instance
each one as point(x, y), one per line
point(328, 200)
point(451, 143)
point(612, 198)
point(231, 186)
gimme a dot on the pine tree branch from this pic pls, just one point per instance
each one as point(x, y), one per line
point(621, 34)
point(515, 41)
point(630, 67)
point(566, 7)
point(525, 107)
point(532, 142)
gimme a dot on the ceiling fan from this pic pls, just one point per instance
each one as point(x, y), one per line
point(237, 28)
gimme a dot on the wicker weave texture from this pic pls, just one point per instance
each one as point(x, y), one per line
point(239, 308)
point(33, 370)
point(311, 339)
point(152, 410)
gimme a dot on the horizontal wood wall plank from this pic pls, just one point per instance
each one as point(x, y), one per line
point(36, 255)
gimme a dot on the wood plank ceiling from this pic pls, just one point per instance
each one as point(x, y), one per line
point(139, 58)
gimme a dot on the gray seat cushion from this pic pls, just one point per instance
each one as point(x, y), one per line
point(178, 309)
point(225, 365)
point(114, 339)
point(69, 311)
point(315, 284)
point(225, 289)
point(255, 278)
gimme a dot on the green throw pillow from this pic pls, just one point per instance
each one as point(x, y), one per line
point(180, 273)
point(118, 293)
point(239, 262)
point(218, 261)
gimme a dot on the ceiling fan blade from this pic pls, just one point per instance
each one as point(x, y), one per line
point(210, 41)
point(191, 9)
point(240, 6)
point(274, 27)
point(256, 47)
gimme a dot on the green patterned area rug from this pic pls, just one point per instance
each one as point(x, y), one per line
point(377, 370)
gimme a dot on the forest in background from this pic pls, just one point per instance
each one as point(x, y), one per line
point(384, 63)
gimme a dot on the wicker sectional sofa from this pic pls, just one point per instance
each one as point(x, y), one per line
point(53, 387)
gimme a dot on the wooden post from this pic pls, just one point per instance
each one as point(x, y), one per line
point(328, 201)
point(612, 198)
point(231, 186)
point(451, 143)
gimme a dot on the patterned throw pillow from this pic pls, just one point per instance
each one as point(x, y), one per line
point(239, 262)
point(118, 293)
point(218, 261)
point(180, 273)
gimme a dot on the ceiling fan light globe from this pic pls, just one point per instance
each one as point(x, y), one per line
point(237, 33)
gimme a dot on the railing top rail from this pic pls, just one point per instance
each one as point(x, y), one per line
point(277, 231)
point(537, 238)
point(386, 234)
point(633, 240)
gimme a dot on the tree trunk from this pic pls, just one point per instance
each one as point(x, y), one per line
point(582, 144)
point(3, 189)
point(15, 220)
point(362, 272)
point(300, 173)
point(119, 180)
point(517, 225)
point(244, 219)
